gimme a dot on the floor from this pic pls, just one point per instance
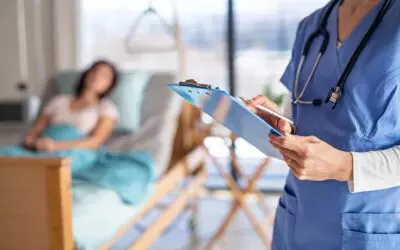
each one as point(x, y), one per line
point(213, 209)
point(240, 234)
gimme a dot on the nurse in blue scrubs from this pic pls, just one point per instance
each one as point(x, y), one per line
point(343, 191)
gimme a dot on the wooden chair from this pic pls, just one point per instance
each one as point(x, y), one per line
point(237, 192)
point(239, 200)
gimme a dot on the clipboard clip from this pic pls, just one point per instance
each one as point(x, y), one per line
point(193, 83)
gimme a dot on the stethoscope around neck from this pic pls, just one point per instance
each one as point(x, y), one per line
point(336, 92)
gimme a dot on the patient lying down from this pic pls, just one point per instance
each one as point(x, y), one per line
point(88, 110)
point(75, 126)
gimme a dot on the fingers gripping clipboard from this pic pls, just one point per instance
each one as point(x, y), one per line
point(230, 112)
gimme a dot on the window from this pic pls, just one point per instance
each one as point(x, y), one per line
point(104, 26)
point(265, 33)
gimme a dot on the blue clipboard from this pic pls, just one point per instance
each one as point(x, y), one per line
point(230, 112)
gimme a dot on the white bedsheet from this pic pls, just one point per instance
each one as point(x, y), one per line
point(97, 214)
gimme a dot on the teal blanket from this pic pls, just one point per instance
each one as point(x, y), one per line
point(130, 174)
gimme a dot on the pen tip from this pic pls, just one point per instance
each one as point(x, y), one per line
point(243, 99)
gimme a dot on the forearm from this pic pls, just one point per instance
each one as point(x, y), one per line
point(90, 143)
point(100, 134)
point(371, 170)
point(40, 124)
point(376, 170)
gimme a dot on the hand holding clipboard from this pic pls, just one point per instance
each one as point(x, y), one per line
point(232, 113)
point(269, 111)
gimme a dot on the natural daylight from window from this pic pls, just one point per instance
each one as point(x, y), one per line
point(265, 31)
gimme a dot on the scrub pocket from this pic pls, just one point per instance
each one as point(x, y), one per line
point(284, 222)
point(370, 231)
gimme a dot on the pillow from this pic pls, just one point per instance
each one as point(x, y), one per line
point(66, 82)
point(128, 96)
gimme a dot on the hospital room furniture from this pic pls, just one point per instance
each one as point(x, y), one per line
point(220, 106)
point(40, 209)
point(239, 200)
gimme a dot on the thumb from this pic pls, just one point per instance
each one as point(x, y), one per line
point(284, 126)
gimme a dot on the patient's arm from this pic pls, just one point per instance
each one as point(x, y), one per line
point(40, 124)
point(99, 135)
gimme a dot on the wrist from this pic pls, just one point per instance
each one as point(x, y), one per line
point(346, 167)
point(57, 146)
point(31, 135)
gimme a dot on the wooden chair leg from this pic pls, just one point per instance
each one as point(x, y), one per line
point(229, 218)
point(222, 229)
point(261, 202)
point(257, 175)
point(269, 218)
point(240, 197)
point(235, 164)
point(195, 208)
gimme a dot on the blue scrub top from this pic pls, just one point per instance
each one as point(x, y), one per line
point(325, 215)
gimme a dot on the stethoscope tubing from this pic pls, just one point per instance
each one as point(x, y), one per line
point(336, 92)
point(363, 43)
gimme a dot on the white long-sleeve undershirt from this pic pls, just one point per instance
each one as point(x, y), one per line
point(373, 170)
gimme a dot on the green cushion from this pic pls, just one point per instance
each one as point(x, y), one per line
point(128, 96)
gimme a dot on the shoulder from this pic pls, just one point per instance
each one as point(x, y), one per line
point(305, 27)
point(312, 20)
point(61, 99)
point(108, 108)
point(308, 25)
point(57, 103)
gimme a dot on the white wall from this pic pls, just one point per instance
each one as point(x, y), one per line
point(10, 58)
point(41, 48)
point(65, 33)
point(34, 43)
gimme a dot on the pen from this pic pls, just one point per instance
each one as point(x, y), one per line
point(268, 111)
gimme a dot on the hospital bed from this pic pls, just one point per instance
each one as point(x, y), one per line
point(40, 208)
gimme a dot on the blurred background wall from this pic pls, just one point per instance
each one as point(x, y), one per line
point(41, 37)
point(27, 47)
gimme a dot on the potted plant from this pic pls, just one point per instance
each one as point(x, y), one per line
point(274, 95)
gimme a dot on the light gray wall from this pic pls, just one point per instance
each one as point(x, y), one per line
point(66, 17)
point(10, 72)
point(27, 50)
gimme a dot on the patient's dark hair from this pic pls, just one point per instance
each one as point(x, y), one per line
point(81, 82)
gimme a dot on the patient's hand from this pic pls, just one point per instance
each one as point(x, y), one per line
point(29, 141)
point(45, 144)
